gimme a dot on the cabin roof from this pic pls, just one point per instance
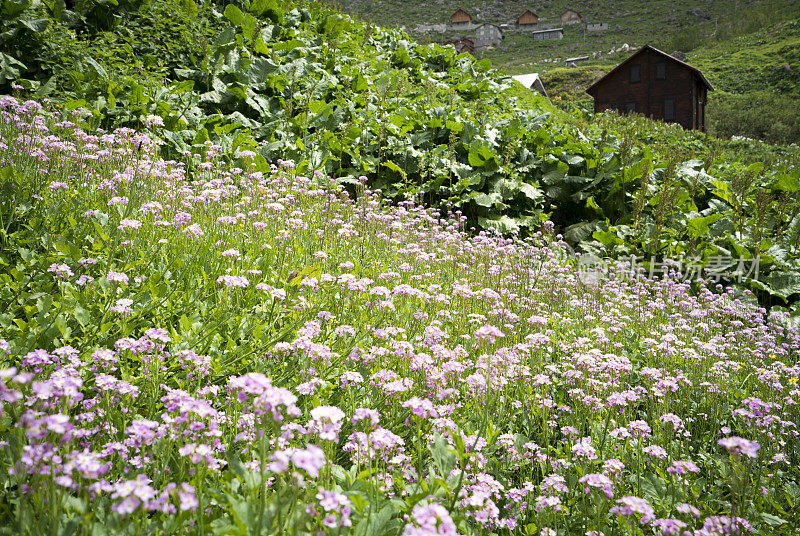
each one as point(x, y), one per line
point(548, 30)
point(526, 80)
point(695, 70)
point(531, 80)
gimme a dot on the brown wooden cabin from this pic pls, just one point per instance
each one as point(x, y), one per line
point(570, 16)
point(463, 44)
point(655, 84)
point(460, 17)
point(528, 18)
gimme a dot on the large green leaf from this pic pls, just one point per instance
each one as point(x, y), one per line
point(581, 231)
point(266, 8)
point(249, 25)
point(485, 200)
point(480, 155)
point(503, 224)
point(94, 67)
point(234, 14)
point(700, 226)
point(376, 523)
point(260, 70)
point(723, 190)
point(784, 284)
point(443, 456)
point(10, 68)
point(556, 175)
point(35, 25)
point(531, 192)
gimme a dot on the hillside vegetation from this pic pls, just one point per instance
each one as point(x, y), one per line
point(757, 77)
point(349, 100)
point(267, 269)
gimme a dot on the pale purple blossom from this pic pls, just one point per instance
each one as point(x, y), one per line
point(738, 446)
point(60, 270)
point(117, 277)
point(488, 333)
point(429, 520)
point(630, 505)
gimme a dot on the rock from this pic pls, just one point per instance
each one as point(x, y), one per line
point(699, 14)
point(678, 55)
point(786, 68)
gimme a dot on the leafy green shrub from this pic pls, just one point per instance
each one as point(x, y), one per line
point(685, 40)
point(761, 115)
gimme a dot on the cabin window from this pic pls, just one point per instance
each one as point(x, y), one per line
point(661, 71)
point(669, 109)
point(636, 73)
point(630, 107)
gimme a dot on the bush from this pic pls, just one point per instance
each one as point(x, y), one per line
point(760, 115)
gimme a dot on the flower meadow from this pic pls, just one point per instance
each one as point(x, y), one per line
point(223, 346)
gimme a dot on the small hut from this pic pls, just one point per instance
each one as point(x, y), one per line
point(597, 27)
point(570, 16)
point(460, 17)
point(531, 81)
point(462, 44)
point(546, 35)
point(528, 18)
point(573, 62)
point(488, 35)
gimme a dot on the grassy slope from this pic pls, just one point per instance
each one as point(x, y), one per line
point(754, 61)
point(747, 72)
point(629, 22)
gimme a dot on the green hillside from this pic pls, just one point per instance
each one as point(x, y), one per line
point(666, 24)
point(755, 76)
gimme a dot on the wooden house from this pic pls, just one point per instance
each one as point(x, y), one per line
point(463, 44)
point(528, 18)
point(655, 84)
point(570, 16)
point(546, 35)
point(460, 17)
